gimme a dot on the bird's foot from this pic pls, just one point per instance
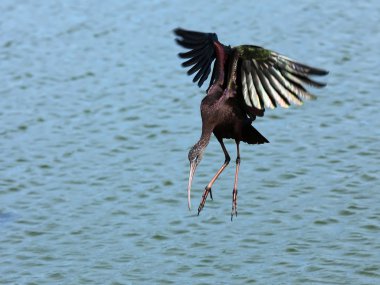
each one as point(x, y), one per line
point(233, 212)
point(204, 197)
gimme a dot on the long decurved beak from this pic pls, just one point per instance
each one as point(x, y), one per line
point(193, 166)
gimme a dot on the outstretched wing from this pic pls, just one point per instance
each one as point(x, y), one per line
point(201, 52)
point(269, 79)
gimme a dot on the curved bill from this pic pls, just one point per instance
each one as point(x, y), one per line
point(191, 175)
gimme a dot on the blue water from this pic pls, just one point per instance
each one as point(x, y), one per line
point(97, 117)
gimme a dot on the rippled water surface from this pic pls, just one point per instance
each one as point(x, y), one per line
point(97, 117)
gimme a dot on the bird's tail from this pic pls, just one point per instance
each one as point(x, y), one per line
point(252, 136)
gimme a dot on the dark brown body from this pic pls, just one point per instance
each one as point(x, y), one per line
point(224, 115)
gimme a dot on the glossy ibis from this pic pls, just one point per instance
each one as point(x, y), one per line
point(244, 81)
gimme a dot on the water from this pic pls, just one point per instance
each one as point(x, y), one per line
point(97, 117)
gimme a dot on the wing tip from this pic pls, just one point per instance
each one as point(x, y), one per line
point(194, 35)
point(322, 72)
point(312, 97)
point(200, 52)
point(177, 30)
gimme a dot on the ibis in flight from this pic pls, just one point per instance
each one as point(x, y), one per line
point(244, 81)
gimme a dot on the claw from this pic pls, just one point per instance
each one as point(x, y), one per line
point(204, 197)
point(233, 212)
point(200, 208)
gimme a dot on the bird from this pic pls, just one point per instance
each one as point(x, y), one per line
point(245, 80)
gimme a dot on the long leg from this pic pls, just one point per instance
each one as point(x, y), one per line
point(234, 191)
point(209, 185)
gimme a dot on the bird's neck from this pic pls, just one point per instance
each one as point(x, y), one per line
point(221, 59)
point(203, 141)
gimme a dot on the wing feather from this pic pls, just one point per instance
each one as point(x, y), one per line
point(291, 97)
point(250, 94)
point(204, 70)
point(301, 78)
point(259, 86)
point(300, 67)
point(246, 95)
point(193, 60)
point(281, 91)
point(192, 44)
point(201, 53)
point(271, 88)
point(190, 35)
point(191, 53)
point(204, 75)
point(198, 65)
point(269, 79)
point(295, 93)
point(256, 100)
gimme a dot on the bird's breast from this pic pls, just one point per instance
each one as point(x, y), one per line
point(223, 116)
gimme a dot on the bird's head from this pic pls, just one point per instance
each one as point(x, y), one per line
point(195, 156)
